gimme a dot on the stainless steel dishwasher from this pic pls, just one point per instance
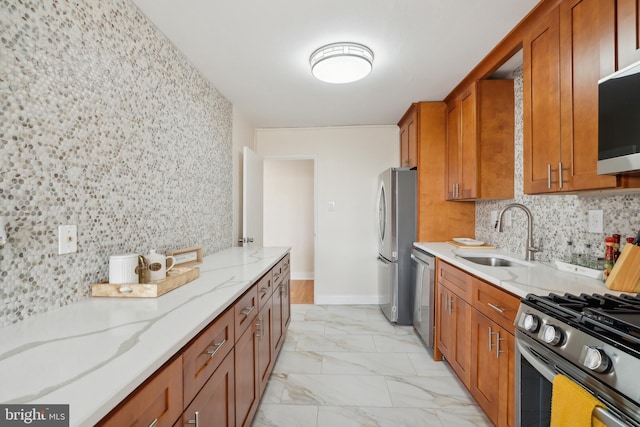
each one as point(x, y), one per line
point(423, 270)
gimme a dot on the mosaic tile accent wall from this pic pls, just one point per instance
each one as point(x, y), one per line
point(103, 124)
point(556, 219)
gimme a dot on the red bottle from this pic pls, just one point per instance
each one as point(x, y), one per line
point(608, 258)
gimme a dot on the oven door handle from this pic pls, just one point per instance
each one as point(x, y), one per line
point(608, 418)
point(602, 414)
point(549, 374)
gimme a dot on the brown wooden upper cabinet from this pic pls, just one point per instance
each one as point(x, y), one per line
point(480, 142)
point(409, 139)
point(627, 26)
point(564, 56)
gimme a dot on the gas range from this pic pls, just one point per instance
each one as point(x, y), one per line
point(599, 335)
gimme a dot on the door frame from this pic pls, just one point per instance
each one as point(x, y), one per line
point(314, 158)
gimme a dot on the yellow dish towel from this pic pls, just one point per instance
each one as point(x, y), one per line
point(571, 405)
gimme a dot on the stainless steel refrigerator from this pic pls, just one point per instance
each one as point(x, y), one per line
point(397, 194)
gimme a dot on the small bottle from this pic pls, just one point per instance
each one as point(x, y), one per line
point(569, 253)
point(594, 262)
point(608, 258)
point(587, 257)
point(616, 247)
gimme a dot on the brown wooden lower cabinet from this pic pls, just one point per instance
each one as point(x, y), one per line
point(266, 354)
point(453, 331)
point(476, 336)
point(217, 379)
point(214, 405)
point(492, 355)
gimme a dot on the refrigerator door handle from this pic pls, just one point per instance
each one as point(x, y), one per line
point(383, 260)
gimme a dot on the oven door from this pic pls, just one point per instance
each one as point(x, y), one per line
point(536, 366)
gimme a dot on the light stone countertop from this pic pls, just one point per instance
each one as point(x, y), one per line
point(539, 278)
point(93, 353)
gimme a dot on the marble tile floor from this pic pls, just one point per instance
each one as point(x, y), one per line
point(347, 366)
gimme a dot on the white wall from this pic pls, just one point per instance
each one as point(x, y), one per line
point(349, 160)
point(243, 135)
point(289, 211)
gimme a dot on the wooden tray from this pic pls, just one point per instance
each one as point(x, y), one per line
point(460, 245)
point(175, 278)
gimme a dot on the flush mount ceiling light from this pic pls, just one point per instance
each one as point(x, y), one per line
point(341, 62)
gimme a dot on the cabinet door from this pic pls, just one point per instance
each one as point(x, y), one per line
point(443, 322)
point(409, 138)
point(266, 357)
point(628, 32)
point(541, 71)
point(506, 405)
point(247, 394)
point(214, 405)
point(286, 303)
point(453, 151)
point(584, 25)
point(485, 366)
point(277, 336)
point(468, 151)
point(460, 358)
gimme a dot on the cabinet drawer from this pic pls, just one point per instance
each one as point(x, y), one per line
point(458, 281)
point(497, 304)
point(246, 310)
point(204, 354)
point(278, 272)
point(158, 400)
point(286, 263)
point(265, 289)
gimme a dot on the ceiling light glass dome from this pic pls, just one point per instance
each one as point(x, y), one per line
point(341, 62)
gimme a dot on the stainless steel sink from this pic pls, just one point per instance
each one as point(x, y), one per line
point(492, 261)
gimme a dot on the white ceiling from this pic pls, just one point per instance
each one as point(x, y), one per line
point(256, 53)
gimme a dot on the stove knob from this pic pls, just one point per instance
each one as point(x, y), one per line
point(551, 335)
point(596, 360)
point(531, 322)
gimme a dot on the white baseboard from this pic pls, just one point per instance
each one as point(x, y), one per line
point(302, 276)
point(347, 299)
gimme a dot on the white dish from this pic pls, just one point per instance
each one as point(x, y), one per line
point(467, 241)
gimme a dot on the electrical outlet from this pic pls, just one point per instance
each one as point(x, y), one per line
point(494, 218)
point(507, 219)
point(67, 239)
point(596, 221)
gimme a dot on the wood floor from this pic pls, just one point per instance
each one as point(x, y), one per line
point(301, 291)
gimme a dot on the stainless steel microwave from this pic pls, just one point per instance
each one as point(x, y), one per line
point(619, 122)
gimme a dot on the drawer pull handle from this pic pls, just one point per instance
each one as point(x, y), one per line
point(153, 423)
point(217, 348)
point(246, 311)
point(264, 290)
point(496, 308)
point(196, 421)
point(125, 289)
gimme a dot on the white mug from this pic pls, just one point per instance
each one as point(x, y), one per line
point(157, 265)
point(122, 269)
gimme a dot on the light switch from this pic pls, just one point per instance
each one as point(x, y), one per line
point(596, 220)
point(332, 206)
point(67, 239)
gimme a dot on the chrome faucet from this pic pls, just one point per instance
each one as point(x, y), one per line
point(530, 248)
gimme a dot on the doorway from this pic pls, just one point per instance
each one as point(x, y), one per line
point(289, 204)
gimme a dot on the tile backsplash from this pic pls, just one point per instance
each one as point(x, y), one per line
point(556, 218)
point(103, 124)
